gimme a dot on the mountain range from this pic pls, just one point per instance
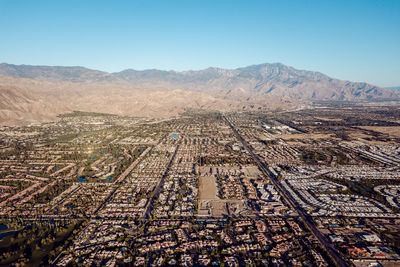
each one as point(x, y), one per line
point(397, 88)
point(40, 93)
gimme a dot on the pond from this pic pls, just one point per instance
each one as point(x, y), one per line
point(3, 227)
point(82, 179)
point(2, 235)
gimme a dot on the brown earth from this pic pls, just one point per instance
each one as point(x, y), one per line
point(24, 101)
point(390, 130)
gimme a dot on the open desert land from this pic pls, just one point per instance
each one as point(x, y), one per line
point(306, 136)
point(390, 130)
point(208, 197)
point(250, 171)
point(208, 188)
point(328, 119)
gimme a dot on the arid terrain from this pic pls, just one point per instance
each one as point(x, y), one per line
point(25, 101)
point(32, 94)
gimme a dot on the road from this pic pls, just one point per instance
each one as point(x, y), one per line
point(133, 165)
point(331, 250)
point(149, 206)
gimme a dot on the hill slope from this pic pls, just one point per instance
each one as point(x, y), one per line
point(23, 101)
point(256, 80)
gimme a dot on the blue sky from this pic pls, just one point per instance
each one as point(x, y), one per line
point(350, 40)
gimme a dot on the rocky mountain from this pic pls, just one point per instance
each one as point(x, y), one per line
point(275, 80)
point(40, 93)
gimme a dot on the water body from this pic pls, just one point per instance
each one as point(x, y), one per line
point(3, 227)
point(174, 135)
point(2, 235)
point(108, 179)
point(82, 179)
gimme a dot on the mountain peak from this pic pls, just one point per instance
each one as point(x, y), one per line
point(260, 79)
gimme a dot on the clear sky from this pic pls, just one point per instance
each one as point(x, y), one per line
point(350, 39)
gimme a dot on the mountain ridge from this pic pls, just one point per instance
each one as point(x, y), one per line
point(260, 79)
point(40, 93)
point(395, 88)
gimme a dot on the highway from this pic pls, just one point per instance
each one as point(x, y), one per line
point(330, 249)
point(149, 206)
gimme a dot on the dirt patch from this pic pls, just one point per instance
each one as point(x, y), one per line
point(208, 188)
point(390, 130)
point(209, 202)
point(304, 136)
point(328, 119)
point(251, 171)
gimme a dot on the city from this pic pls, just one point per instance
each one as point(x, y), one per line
point(314, 187)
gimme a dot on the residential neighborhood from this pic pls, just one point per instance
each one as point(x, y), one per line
point(214, 189)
